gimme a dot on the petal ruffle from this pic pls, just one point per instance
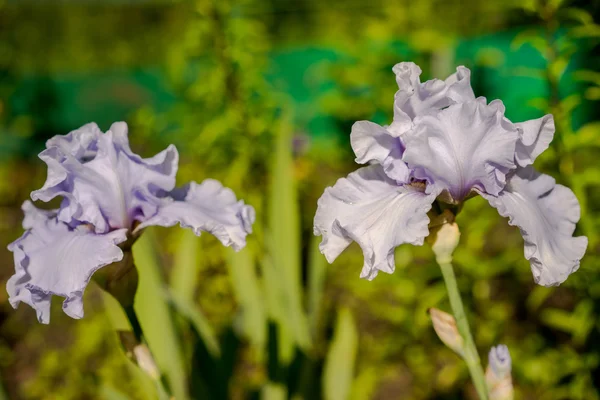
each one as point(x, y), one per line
point(534, 137)
point(113, 188)
point(209, 207)
point(371, 209)
point(415, 98)
point(546, 214)
point(463, 147)
point(52, 258)
point(82, 143)
point(372, 142)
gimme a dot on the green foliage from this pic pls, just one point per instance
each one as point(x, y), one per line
point(155, 317)
point(275, 321)
point(339, 366)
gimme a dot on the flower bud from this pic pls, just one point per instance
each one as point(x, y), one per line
point(444, 325)
point(498, 375)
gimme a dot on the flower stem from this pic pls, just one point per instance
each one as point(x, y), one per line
point(471, 356)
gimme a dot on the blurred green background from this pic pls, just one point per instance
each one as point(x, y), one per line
point(261, 94)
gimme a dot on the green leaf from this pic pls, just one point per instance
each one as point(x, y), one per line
point(317, 268)
point(557, 319)
point(558, 67)
point(155, 317)
point(531, 37)
point(275, 297)
point(554, 4)
point(537, 296)
point(579, 15)
point(242, 271)
point(285, 237)
point(592, 93)
point(587, 76)
point(273, 391)
point(569, 103)
point(115, 313)
point(590, 30)
point(339, 364)
point(187, 309)
point(587, 136)
point(539, 103)
point(108, 392)
point(184, 276)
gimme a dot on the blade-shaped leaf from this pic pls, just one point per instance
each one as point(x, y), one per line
point(155, 317)
point(317, 271)
point(184, 276)
point(188, 310)
point(339, 364)
point(275, 298)
point(272, 391)
point(285, 237)
point(248, 293)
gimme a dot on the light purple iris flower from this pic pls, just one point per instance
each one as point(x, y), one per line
point(109, 195)
point(446, 145)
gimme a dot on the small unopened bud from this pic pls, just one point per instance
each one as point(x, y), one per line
point(145, 361)
point(445, 241)
point(497, 375)
point(444, 325)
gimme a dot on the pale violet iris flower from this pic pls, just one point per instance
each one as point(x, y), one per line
point(446, 145)
point(109, 194)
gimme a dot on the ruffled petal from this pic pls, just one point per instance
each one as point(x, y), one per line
point(82, 143)
point(463, 147)
point(415, 98)
point(371, 209)
point(534, 137)
point(111, 188)
point(206, 207)
point(546, 214)
point(52, 258)
point(372, 142)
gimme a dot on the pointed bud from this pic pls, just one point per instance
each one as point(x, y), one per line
point(446, 239)
point(445, 327)
point(145, 360)
point(497, 375)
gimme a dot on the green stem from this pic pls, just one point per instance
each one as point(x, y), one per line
point(471, 356)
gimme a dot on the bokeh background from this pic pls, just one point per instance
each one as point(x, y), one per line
point(261, 94)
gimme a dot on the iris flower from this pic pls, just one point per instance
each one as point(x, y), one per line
point(446, 145)
point(109, 195)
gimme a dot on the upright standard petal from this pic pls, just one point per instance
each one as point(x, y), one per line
point(82, 143)
point(372, 142)
point(415, 98)
point(111, 189)
point(467, 146)
point(534, 137)
point(546, 214)
point(206, 207)
point(51, 258)
point(371, 209)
